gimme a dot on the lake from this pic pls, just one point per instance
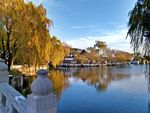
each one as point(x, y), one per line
point(102, 89)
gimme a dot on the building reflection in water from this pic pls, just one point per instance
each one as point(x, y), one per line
point(98, 77)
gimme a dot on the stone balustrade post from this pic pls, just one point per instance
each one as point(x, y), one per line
point(41, 100)
point(4, 75)
point(4, 78)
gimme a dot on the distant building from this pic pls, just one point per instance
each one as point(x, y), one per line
point(69, 59)
point(83, 52)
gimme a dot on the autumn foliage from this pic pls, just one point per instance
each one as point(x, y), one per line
point(24, 35)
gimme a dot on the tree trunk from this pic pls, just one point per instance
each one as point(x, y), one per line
point(9, 59)
point(4, 51)
point(9, 64)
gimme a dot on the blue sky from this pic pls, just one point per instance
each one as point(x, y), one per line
point(80, 22)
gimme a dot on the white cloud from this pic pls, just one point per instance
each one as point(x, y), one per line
point(114, 40)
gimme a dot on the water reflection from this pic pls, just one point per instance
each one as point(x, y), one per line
point(100, 78)
point(59, 81)
point(147, 74)
point(149, 92)
point(126, 87)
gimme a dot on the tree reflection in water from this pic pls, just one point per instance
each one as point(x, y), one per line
point(57, 78)
point(59, 81)
point(98, 77)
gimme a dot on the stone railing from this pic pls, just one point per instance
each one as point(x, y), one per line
point(41, 100)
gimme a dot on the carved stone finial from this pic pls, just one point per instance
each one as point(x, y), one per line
point(41, 85)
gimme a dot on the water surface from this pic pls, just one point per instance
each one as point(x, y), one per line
point(102, 89)
point(105, 90)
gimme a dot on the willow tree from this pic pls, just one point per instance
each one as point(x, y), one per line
point(24, 29)
point(121, 56)
point(2, 41)
point(139, 27)
point(58, 51)
point(7, 20)
point(37, 47)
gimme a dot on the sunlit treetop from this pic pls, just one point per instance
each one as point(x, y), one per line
point(24, 29)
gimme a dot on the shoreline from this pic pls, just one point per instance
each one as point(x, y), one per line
point(94, 65)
